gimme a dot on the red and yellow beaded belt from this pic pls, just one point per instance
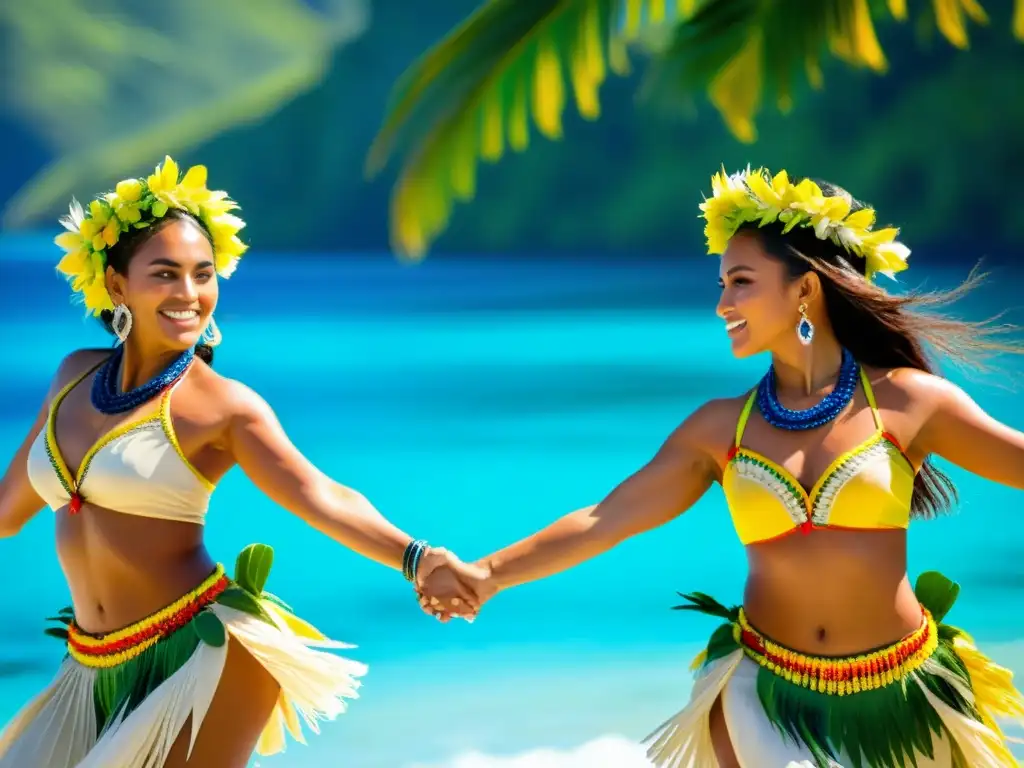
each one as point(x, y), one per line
point(841, 676)
point(114, 648)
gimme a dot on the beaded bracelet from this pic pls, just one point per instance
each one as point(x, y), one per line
point(411, 558)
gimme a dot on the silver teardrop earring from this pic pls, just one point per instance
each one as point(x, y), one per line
point(211, 334)
point(804, 328)
point(121, 323)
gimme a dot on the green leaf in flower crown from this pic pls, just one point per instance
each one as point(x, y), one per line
point(210, 628)
point(159, 209)
point(253, 567)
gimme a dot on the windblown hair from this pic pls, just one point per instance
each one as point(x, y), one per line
point(891, 331)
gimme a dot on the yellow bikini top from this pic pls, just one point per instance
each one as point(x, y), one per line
point(137, 468)
point(866, 488)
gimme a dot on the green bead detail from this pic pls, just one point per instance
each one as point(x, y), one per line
point(775, 473)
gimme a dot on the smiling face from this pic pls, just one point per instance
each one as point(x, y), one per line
point(170, 286)
point(759, 300)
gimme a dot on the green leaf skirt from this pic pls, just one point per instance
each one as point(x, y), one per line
point(930, 699)
point(123, 698)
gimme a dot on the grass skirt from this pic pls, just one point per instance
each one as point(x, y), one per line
point(122, 699)
point(931, 699)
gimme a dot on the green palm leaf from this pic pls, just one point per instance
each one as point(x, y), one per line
point(473, 96)
point(740, 50)
point(474, 93)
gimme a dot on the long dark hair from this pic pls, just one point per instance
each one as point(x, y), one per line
point(883, 330)
point(120, 255)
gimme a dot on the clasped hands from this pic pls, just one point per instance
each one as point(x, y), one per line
point(449, 588)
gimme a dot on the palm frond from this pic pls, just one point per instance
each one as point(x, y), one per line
point(476, 93)
point(739, 51)
point(951, 17)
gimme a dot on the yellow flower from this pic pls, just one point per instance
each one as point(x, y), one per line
point(139, 202)
point(194, 183)
point(105, 225)
point(226, 255)
point(764, 190)
point(70, 241)
point(89, 230)
point(129, 190)
point(224, 226)
point(755, 196)
point(125, 200)
point(75, 262)
point(163, 182)
point(218, 203)
point(862, 219)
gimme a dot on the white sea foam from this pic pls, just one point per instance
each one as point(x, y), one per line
point(604, 752)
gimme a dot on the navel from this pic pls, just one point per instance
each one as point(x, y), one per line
point(822, 634)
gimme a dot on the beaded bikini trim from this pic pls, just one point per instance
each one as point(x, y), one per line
point(760, 471)
point(881, 447)
point(793, 497)
point(114, 648)
point(841, 676)
point(72, 484)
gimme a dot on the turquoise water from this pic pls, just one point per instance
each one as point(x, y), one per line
point(473, 402)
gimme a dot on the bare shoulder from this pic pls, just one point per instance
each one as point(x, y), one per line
point(76, 364)
point(712, 426)
point(905, 388)
point(235, 400)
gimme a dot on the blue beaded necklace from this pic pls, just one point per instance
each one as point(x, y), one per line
point(107, 397)
point(778, 415)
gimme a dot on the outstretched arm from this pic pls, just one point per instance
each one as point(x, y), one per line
point(19, 502)
point(958, 430)
point(261, 448)
point(668, 485)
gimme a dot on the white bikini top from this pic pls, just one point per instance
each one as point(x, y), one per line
point(137, 468)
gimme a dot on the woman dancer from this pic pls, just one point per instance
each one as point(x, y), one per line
point(168, 658)
point(833, 655)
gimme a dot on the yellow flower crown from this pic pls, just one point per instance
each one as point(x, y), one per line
point(136, 204)
point(755, 196)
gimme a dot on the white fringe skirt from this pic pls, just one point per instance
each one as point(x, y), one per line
point(931, 700)
point(122, 699)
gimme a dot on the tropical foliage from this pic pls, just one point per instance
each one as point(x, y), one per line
point(514, 64)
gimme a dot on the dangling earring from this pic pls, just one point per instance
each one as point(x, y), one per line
point(804, 328)
point(211, 334)
point(121, 323)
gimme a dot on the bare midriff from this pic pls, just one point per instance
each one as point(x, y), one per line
point(122, 568)
point(832, 592)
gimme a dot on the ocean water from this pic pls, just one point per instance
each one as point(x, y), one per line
point(474, 401)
